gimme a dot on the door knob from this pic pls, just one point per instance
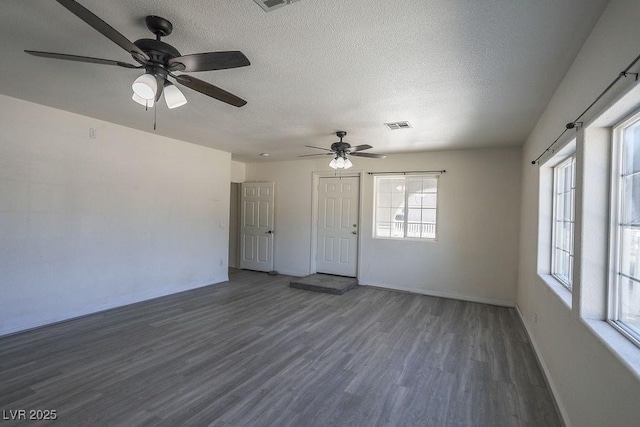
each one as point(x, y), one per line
point(269, 232)
point(354, 232)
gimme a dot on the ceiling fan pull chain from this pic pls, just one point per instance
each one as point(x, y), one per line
point(155, 117)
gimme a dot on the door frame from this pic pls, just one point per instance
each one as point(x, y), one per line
point(314, 214)
point(237, 187)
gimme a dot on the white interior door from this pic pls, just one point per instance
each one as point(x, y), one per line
point(338, 226)
point(256, 226)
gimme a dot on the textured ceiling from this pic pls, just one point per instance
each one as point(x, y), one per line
point(465, 74)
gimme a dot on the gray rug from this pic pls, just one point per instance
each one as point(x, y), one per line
point(326, 283)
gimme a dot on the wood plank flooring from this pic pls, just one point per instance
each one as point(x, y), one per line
point(253, 351)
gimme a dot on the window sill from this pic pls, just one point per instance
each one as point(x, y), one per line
point(558, 288)
point(406, 239)
point(624, 350)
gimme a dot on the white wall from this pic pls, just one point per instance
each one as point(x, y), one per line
point(475, 256)
point(592, 384)
point(238, 171)
point(89, 224)
point(292, 238)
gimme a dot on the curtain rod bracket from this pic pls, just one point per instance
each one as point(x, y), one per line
point(574, 125)
point(625, 74)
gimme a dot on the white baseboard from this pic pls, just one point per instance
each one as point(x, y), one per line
point(545, 371)
point(481, 300)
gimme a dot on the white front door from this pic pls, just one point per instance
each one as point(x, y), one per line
point(256, 226)
point(338, 226)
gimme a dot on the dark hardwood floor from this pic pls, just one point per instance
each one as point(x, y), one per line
point(252, 351)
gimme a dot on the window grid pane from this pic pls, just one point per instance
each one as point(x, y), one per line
point(628, 260)
point(629, 292)
point(563, 222)
point(406, 207)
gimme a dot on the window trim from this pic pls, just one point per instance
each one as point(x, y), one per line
point(615, 227)
point(435, 176)
point(571, 158)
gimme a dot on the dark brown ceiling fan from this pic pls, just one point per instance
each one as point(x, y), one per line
point(160, 60)
point(342, 149)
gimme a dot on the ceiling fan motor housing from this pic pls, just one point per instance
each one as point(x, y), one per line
point(159, 52)
point(340, 147)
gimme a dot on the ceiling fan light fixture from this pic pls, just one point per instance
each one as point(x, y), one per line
point(340, 163)
point(173, 96)
point(334, 163)
point(144, 102)
point(347, 163)
point(145, 86)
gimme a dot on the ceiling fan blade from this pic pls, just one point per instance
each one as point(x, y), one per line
point(319, 148)
point(311, 155)
point(209, 61)
point(160, 81)
point(210, 90)
point(360, 147)
point(372, 155)
point(104, 28)
point(81, 59)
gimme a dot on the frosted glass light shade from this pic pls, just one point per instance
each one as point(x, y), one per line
point(173, 96)
point(340, 163)
point(347, 163)
point(145, 86)
point(333, 164)
point(143, 102)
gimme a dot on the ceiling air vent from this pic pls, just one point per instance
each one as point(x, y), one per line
point(398, 125)
point(269, 5)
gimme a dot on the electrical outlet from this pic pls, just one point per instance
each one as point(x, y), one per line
point(92, 133)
